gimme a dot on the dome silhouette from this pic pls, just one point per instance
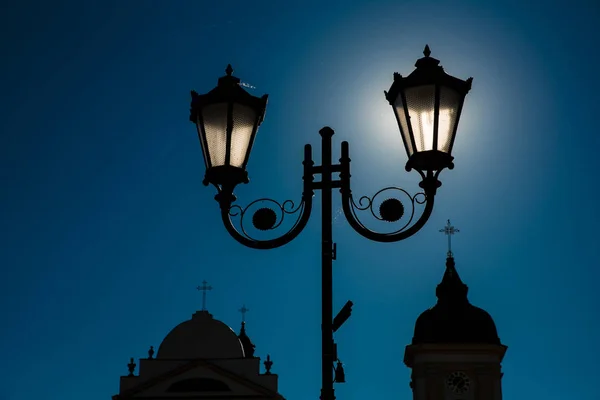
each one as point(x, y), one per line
point(453, 319)
point(201, 337)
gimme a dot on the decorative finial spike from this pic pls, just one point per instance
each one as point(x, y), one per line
point(427, 51)
point(131, 366)
point(229, 70)
point(268, 364)
point(469, 83)
point(151, 352)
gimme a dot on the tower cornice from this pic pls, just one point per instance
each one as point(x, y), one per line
point(421, 352)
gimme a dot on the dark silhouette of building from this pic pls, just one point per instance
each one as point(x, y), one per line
point(201, 358)
point(455, 352)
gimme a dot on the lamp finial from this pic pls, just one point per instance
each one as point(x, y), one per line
point(229, 70)
point(427, 51)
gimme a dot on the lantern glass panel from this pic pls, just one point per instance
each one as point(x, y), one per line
point(401, 114)
point(244, 118)
point(449, 103)
point(421, 106)
point(215, 129)
point(200, 128)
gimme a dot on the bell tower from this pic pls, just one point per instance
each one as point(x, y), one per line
point(455, 352)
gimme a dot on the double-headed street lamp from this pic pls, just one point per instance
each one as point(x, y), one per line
point(427, 105)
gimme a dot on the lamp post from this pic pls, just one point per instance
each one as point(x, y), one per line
point(427, 105)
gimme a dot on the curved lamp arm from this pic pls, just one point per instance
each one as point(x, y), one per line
point(266, 218)
point(390, 210)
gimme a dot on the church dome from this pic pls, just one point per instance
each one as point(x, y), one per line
point(201, 337)
point(453, 319)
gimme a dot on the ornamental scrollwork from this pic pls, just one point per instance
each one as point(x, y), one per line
point(266, 214)
point(391, 209)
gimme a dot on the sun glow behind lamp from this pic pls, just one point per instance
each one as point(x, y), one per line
point(427, 105)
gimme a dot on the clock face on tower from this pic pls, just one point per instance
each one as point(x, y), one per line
point(458, 382)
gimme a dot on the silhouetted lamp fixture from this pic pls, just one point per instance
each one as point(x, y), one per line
point(427, 105)
point(227, 119)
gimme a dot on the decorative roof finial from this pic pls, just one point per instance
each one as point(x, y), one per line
point(268, 364)
point(205, 286)
point(449, 230)
point(244, 339)
point(247, 344)
point(427, 51)
point(131, 366)
point(229, 70)
point(451, 288)
point(151, 352)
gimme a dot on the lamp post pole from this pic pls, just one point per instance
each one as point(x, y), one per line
point(327, 256)
point(427, 105)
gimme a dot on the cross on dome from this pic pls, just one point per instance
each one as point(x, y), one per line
point(205, 286)
point(449, 230)
point(244, 310)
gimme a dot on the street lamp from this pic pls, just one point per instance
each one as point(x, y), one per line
point(427, 105)
point(227, 119)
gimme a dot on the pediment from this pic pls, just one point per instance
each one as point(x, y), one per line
point(198, 379)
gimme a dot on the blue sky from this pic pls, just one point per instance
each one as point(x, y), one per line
point(107, 229)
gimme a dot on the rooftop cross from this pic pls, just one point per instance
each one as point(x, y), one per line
point(205, 286)
point(244, 310)
point(449, 230)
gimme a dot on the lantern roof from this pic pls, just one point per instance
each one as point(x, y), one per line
point(228, 90)
point(427, 72)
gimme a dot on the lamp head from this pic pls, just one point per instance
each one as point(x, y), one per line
point(227, 119)
point(427, 105)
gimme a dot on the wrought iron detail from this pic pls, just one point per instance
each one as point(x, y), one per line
point(266, 218)
point(390, 209)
